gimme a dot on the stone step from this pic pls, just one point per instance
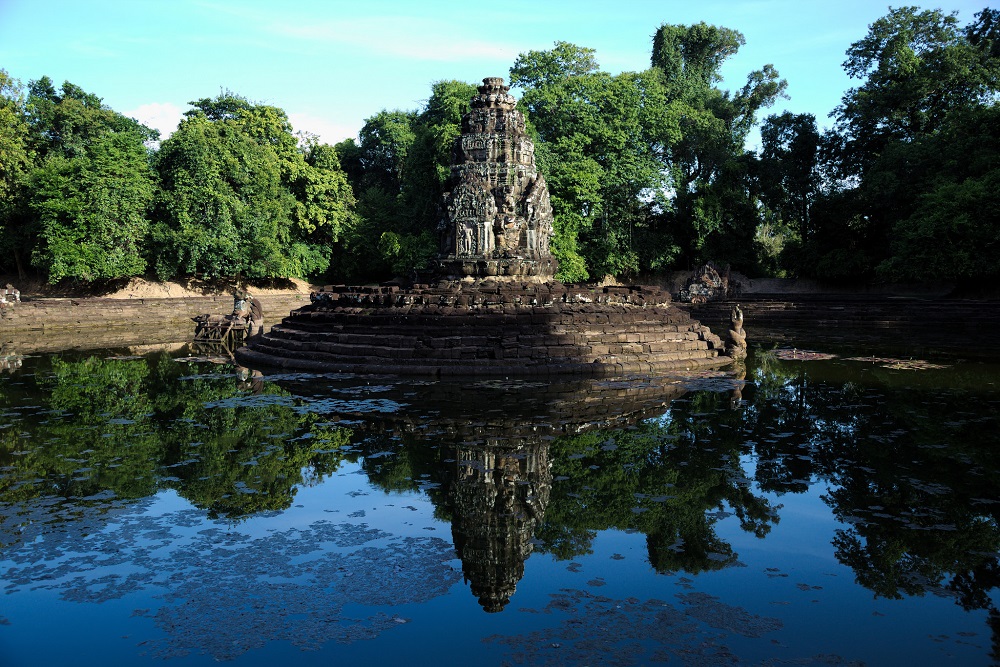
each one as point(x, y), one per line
point(610, 365)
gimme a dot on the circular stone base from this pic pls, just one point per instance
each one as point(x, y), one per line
point(494, 328)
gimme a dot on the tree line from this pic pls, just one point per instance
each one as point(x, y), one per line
point(648, 171)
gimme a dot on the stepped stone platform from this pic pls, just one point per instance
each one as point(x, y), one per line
point(492, 328)
point(492, 306)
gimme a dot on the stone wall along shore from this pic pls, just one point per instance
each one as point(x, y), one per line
point(52, 324)
point(890, 324)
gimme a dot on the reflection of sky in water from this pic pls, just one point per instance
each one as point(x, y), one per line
point(223, 590)
point(359, 561)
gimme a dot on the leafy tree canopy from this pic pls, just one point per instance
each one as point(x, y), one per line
point(917, 66)
point(16, 159)
point(910, 158)
point(646, 168)
point(398, 172)
point(241, 197)
point(90, 188)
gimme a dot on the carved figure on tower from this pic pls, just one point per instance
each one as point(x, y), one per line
point(498, 217)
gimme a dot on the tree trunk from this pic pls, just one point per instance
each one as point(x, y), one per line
point(21, 275)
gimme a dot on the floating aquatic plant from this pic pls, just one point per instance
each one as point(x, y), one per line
point(793, 354)
point(899, 364)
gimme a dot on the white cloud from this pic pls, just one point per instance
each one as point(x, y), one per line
point(165, 116)
point(404, 37)
point(162, 116)
point(329, 132)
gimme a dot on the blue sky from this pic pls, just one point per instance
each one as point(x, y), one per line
point(332, 64)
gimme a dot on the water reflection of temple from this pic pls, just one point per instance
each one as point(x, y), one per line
point(498, 496)
point(493, 465)
point(10, 362)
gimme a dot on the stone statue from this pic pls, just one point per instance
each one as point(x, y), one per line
point(498, 216)
point(240, 307)
point(736, 346)
point(710, 283)
point(740, 374)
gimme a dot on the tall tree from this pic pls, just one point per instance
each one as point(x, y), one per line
point(646, 168)
point(946, 183)
point(426, 169)
point(89, 195)
point(928, 85)
point(711, 195)
point(15, 156)
point(790, 162)
point(555, 87)
point(16, 159)
point(789, 178)
point(917, 66)
point(398, 171)
point(240, 197)
point(597, 151)
point(377, 168)
point(386, 138)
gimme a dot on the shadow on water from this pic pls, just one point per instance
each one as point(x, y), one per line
point(907, 458)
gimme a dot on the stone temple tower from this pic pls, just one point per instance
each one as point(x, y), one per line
point(490, 304)
point(498, 218)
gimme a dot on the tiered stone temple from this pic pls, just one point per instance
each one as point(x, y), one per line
point(493, 307)
point(499, 218)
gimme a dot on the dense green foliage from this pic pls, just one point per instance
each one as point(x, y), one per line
point(398, 170)
point(84, 212)
point(909, 188)
point(648, 171)
point(239, 197)
point(598, 153)
point(232, 193)
point(16, 158)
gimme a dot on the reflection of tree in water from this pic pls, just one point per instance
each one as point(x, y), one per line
point(671, 479)
point(91, 427)
point(782, 424)
point(919, 493)
point(912, 471)
point(994, 624)
point(911, 467)
point(83, 435)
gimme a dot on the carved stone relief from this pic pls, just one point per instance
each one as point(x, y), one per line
point(497, 210)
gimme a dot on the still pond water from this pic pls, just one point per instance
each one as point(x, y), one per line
point(168, 509)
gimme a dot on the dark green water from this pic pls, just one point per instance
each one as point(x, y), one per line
point(812, 512)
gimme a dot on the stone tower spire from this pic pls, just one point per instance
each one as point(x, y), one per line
point(498, 218)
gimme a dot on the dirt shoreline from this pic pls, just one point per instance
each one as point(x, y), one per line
point(142, 288)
